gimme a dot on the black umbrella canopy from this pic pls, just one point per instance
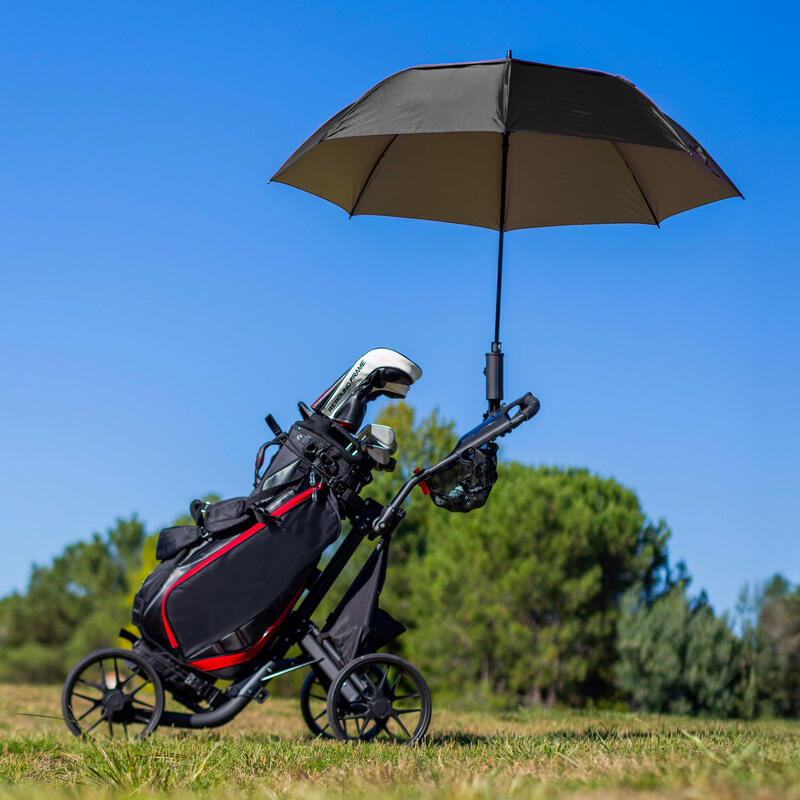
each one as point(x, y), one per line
point(584, 147)
point(506, 144)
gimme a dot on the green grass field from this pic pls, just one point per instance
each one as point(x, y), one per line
point(267, 753)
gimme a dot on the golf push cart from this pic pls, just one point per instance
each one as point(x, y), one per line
point(236, 591)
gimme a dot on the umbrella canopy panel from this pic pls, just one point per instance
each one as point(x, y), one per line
point(584, 147)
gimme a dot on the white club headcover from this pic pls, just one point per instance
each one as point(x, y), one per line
point(335, 398)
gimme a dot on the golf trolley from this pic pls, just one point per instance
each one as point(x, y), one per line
point(223, 603)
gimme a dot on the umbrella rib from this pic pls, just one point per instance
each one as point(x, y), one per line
point(636, 181)
point(371, 173)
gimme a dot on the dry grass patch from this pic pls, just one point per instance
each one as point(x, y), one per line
point(266, 752)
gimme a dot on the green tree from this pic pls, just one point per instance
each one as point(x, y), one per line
point(676, 656)
point(70, 607)
point(522, 596)
point(419, 444)
point(772, 633)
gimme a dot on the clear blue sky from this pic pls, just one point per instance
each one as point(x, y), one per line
point(158, 297)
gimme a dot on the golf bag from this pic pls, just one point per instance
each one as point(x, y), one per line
point(227, 583)
point(219, 599)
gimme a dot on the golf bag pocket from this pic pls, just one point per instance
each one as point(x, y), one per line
point(223, 518)
point(172, 540)
point(221, 584)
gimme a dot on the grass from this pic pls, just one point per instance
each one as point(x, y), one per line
point(266, 753)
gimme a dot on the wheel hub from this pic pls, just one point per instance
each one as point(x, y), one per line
point(381, 708)
point(114, 700)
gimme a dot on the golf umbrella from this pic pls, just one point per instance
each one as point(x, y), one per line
point(505, 145)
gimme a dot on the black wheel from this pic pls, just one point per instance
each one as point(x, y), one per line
point(314, 705)
point(379, 697)
point(112, 693)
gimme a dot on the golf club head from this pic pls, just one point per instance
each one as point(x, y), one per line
point(379, 436)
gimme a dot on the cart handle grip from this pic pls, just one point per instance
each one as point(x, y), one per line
point(497, 424)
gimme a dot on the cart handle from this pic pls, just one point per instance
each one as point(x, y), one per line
point(493, 427)
point(498, 424)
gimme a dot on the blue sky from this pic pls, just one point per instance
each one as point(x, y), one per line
point(159, 297)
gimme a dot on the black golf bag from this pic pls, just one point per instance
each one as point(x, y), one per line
point(227, 583)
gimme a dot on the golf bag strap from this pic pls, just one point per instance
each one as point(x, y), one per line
point(258, 502)
point(274, 427)
point(255, 500)
point(124, 633)
point(196, 509)
point(260, 459)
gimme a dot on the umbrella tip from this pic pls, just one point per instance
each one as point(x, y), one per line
point(508, 55)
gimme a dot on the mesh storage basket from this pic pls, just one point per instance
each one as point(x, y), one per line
point(467, 484)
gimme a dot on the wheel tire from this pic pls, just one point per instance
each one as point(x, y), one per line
point(311, 710)
point(93, 696)
point(382, 689)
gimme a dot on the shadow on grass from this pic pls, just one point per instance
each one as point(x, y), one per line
point(461, 739)
point(567, 736)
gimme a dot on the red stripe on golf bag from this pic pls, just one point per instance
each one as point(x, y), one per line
point(220, 662)
point(287, 506)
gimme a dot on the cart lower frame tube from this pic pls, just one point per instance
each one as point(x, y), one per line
point(206, 719)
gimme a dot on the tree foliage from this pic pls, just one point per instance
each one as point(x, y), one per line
point(772, 642)
point(70, 607)
point(420, 444)
point(521, 596)
point(676, 656)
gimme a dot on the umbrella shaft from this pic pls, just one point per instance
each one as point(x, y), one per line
point(494, 359)
point(499, 287)
point(503, 175)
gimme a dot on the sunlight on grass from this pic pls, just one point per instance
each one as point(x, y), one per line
point(469, 755)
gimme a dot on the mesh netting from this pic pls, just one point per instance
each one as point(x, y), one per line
point(467, 484)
